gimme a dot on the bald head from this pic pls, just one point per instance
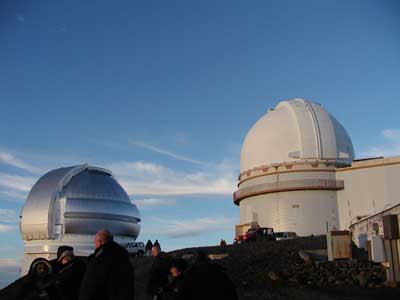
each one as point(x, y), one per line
point(102, 237)
point(155, 251)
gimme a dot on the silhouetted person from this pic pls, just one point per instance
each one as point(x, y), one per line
point(205, 280)
point(109, 274)
point(70, 274)
point(149, 245)
point(157, 244)
point(173, 291)
point(159, 273)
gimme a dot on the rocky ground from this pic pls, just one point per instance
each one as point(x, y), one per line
point(275, 270)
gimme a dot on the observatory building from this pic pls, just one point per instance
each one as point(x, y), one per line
point(298, 173)
point(67, 206)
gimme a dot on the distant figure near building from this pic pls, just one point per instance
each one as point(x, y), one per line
point(157, 244)
point(149, 245)
point(222, 243)
point(109, 274)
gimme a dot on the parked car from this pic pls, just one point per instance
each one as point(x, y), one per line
point(255, 234)
point(135, 248)
point(285, 235)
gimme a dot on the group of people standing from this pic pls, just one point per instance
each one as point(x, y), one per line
point(174, 279)
point(150, 245)
point(109, 275)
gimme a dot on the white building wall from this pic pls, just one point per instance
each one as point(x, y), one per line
point(303, 212)
point(367, 191)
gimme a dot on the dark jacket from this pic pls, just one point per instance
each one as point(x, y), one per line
point(159, 272)
point(149, 245)
point(109, 275)
point(207, 281)
point(69, 278)
point(22, 288)
point(173, 291)
point(30, 287)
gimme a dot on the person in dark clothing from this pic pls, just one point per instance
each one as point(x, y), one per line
point(44, 278)
point(205, 280)
point(55, 263)
point(157, 244)
point(159, 272)
point(35, 285)
point(70, 274)
point(173, 291)
point(149, 245)
point(109, 274)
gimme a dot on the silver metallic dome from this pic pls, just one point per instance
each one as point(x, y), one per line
point(78, 200)
point(67, 206)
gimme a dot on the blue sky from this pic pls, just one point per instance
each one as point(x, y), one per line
point(164, 92)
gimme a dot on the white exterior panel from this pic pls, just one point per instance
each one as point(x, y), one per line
point(367, 191)
point(303, 212)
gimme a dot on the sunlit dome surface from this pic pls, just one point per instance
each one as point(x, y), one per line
point(296, 130)
point(78, 200)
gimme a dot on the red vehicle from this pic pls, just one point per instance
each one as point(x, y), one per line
point(256, 234)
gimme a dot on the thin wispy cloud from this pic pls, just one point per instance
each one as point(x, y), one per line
point(8, 220)
point(7, 228)
point(16, 182)
point(9, 159)
point(154, 180)
point(153, 202)
point(8, 216)
point(15, 187)
point(12, 195)
point(390, 147)
point(168, 153)
point(193, 227)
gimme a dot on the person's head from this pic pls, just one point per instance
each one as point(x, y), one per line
point(40, 267)
point(102, 237)
point(65, 254)
point(155, 251)
point(178, 266)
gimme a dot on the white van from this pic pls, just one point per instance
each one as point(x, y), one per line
point(135, 248)
point(285, 235)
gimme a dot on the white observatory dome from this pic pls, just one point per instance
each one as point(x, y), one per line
point(296, 130)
